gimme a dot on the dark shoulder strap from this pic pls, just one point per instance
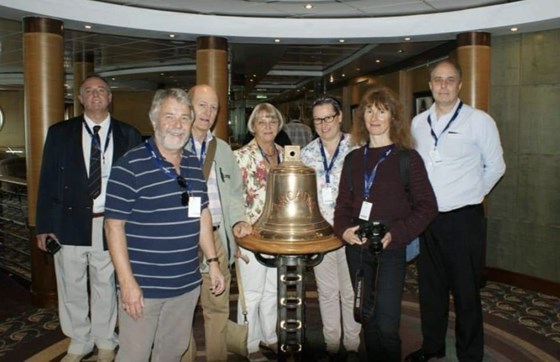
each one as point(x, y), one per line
point(209, 158)
point(404, 158)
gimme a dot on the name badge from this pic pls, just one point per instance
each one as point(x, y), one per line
point(327, 194)
point(435, 156)
point(105, 170)
point(365, 211)
point(194, 206)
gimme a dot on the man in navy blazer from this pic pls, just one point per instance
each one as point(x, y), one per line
point(68, 213)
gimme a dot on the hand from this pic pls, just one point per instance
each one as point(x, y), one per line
point(42, 240)
point(239, 255)
point(242, 229)
point(217, 279)
point(132, 300)
point(350, 236)
point(386, 240)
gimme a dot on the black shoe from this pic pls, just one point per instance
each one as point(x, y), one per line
point(422, 356)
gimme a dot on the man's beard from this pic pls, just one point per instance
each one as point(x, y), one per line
point(169, 140)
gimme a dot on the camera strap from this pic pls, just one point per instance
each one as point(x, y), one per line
point(360, 315)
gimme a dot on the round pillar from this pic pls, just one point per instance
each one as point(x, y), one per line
point(43, 62)
point(83, 66)
point(473, 54)
point(212, 69)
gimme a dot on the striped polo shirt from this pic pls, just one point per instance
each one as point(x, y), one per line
point(162, 239)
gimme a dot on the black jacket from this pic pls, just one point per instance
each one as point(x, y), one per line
point(63, 204)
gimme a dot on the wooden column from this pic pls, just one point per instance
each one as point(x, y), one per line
point(473, 54)
point(83, 66)
point(43, 62)
point(212, 69)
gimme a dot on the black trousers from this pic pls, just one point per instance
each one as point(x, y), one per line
point(382, 299)
point(451, 257)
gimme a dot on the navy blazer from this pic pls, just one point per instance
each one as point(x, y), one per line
point(63, 203)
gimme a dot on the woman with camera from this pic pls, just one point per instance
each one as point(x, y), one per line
point(384, 201)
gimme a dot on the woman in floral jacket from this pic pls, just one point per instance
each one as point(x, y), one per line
point(259, 282)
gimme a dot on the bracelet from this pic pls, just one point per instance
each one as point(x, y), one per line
point(212, 260)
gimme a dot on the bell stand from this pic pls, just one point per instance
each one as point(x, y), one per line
point(291, 300)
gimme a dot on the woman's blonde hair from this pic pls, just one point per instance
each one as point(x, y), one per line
point(266, 108)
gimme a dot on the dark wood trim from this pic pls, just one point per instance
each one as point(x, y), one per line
point(43, 25)
point(524, 281)
point(473, 38)
point(211, 43)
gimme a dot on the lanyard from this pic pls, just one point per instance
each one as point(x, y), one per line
point(436, 138)
point(202, 150)
point(266, 158)
point(368, 179)
point(94, 139)
point(159, 164)
point(329, 167)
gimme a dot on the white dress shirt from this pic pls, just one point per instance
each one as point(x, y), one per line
point(468, 160)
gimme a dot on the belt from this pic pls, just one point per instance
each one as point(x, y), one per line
point(214, 228)
point(464, 208)
point(97, 214)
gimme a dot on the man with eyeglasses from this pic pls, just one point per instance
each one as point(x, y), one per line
point(225, 194)
point(78, 154)
point(462, 153)
point(156, 218)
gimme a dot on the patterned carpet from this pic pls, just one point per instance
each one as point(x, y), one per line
point(519, 325)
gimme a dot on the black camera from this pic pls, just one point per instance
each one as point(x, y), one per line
point(53, 246)
point(373, 231)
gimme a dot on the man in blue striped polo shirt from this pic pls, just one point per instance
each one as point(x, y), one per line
point(156, 216)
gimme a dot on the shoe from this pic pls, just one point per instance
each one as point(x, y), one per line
point(71, 357)
point(257, 357)
point(422, 356)
point(352, 356)
point(273, 347)
point(105, 355)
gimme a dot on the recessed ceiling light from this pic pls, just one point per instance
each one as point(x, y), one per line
point(377, 61)
point(172, 35)
point(514, 29)
point(277, 40)
point(407, 38)
point(250, 80)
point(113, 78)
point(87, 27)
point(400, 51)
point(343, 75)
point(254, 75)
point(308, 6)
point(341, 40)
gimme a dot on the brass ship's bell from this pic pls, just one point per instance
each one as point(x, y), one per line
point(291, 222)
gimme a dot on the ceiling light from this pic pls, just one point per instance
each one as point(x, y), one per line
point(331, 79)
point(357, 69)
point(407, 38)
point(343, 75)
point(113, 78)
point(341, 41)
point(308, 6)
point(277, 40)
point(400, 51)
point(172, 35)
point(377, 61)
point(514, 29)
point(87, 27)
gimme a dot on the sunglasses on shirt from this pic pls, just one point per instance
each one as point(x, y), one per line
point(185, 195)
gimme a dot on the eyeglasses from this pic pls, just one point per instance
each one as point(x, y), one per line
point(327, 119)
point(185, 195)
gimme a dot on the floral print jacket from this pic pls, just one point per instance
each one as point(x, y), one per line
point(254, 171)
